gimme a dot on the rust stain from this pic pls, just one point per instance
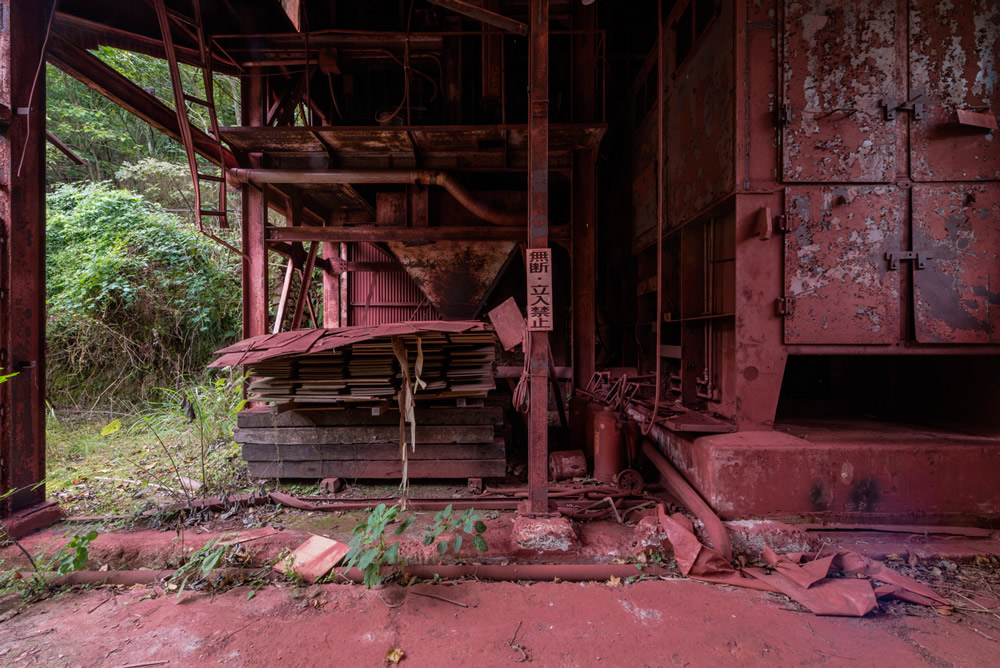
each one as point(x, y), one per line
point(455, 276)
point(839, 65)
point(957, 297)
point(954, 62)
point(837, 281)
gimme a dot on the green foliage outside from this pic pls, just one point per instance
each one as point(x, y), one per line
point(136, 300)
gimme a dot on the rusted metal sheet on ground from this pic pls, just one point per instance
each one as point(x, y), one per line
point(956, 231)
point(454, 276)
point(840, 61)
point(954, 58)
point(701, 116)
point(838, 287)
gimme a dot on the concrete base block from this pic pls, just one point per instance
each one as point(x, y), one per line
point(544, 534)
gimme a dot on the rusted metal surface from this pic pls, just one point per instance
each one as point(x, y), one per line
point(538, 237)
point(700, 119)
point(455, 276)
point(22, 247)
point(464, 147)
point(254, 211)
point(957, 294)
point(566, 464)
point(840, 63)
point(484, 15)
point(954, 56)
point(838, 285)
point(377, 298)
point(509, 324)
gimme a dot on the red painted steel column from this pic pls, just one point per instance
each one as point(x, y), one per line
point(538, 237)
point(331, 286)
point(255, 297)
point(584, 197)
point(22, 284)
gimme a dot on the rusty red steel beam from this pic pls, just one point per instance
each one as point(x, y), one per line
point(22, 255)
point(538, 237)
point(405, 234)
point(484, 15)
point(64, 149)
point(93, 73)
point(254, 211)
point(379, 177)
point(304, 283)
point(96, 34)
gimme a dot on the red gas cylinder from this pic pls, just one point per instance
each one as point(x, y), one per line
point(566, 464)
point(609, 451)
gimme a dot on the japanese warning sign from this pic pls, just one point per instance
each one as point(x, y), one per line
point(540, 289)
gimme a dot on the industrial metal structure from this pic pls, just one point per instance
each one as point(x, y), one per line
point(776, 222)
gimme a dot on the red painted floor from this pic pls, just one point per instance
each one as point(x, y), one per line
point(662, 623)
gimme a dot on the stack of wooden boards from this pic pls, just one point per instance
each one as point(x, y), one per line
point(351, 442)
point(360, 364)
point(335, 413)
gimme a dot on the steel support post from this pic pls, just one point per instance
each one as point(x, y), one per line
point(22, 245)
point(255, 279)
point(584, 261)
point(538, 237)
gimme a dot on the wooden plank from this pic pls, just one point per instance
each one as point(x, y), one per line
point(440, 469)
point(363, 417)
point(364, 435)
point(261, 452)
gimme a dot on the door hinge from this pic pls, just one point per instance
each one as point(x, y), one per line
point(784, 306)
point(783, 114)
point(919, 259)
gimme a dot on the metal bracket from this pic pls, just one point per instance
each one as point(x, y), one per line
point(919, 259)
point(911, 105)
point(784, 306)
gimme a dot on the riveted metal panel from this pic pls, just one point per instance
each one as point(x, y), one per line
point(700, 142)
point(955, 63)
point(957, 294)
point(838, 288)
point(378, 298)
point(840, 63)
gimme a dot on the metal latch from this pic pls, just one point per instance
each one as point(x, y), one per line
point(911, 105)
point(784, 114)
point(920, 259)
point(784, 306)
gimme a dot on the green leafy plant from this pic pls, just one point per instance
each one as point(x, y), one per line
point(74, 555)
point(369, 552)
point(447, 522)
point(200, 564)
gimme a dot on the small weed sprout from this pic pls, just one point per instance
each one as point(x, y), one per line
point(200, 565)
point(369, 552)
point(446, 522)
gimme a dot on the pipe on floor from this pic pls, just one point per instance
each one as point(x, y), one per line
point(675, 483)
point(491, 572)
point(478, 208)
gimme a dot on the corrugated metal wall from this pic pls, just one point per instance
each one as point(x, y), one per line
point(375, 298)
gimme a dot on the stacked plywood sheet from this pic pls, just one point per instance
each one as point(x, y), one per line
point(352, 364)
point(336, 412)
point(351, 442)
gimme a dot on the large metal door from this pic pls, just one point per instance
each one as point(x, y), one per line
point(956, 232)
point(840, 64)
point(954, 60)
point(838, 285)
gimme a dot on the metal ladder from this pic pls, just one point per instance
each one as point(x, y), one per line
point(193, 27)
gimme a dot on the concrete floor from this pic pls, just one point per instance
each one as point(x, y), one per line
point(661, 623)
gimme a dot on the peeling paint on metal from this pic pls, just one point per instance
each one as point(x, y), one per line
point(837, 281)
point(957, 297)
point(840, 63)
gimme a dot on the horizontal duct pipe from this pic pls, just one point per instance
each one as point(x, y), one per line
point(467, 199)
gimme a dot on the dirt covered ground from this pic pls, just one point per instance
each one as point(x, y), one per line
point(652, 623)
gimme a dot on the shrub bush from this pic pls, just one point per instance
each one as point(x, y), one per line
point(136, 299)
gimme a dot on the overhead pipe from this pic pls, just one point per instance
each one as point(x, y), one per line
point(478, 208)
